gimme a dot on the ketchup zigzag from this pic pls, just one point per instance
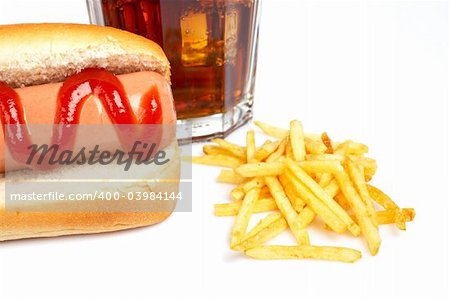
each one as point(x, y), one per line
point(74, 93)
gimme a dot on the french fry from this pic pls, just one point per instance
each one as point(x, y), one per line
point(271, 130)
point(250, 145)
point(238, 193)
point(260, 169)
point(323, 196)
point(254, 183)
point(289, 153)
point(236, 150)
point(266, 143)
point(314, 146)
point(279, 152)
point(284, 205)
point(343, 202)
point(368, 229)
point(357, 148)
point(339, 153)
point(340, 254)
point(325, 179)
point(217, 150)
point(327, 141)
point(265, 151)
point(356, 173)
point(383, 217)
point(297, 139)
point(321, 166)
point(332, 189)
point(327, 215)
point(243, 217)
point(369, 165)
point(264, 204)
point(230, 177)
point(305, 217)
point(325, 157)
point(381, 198)
point(391, 216)
point(386, 202)
point(267, 229)
point(386, 216)
point(297, 202)
point(305, 214)
point(279, 133)
point(217, 160)
point(352, 148)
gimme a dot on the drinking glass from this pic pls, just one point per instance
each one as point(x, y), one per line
point(212, 48)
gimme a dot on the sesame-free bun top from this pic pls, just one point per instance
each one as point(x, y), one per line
point(34, 54)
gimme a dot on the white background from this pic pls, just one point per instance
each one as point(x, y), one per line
point(373, 71)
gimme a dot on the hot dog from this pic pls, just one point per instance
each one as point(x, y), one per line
point(70, 74)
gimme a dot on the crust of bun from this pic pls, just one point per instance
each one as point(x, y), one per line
point(34, 54)
point(40, 225)
point(22, 225)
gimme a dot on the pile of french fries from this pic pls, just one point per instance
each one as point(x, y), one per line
point(297, 177)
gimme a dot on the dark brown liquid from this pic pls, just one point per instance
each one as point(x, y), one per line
point(208, 43)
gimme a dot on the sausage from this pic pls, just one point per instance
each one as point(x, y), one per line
point(40, 105)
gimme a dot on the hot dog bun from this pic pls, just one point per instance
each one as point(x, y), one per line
point(21, 225)
point(34, 54)
point(36, 58)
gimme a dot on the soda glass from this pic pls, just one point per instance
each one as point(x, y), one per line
point(212, 49)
